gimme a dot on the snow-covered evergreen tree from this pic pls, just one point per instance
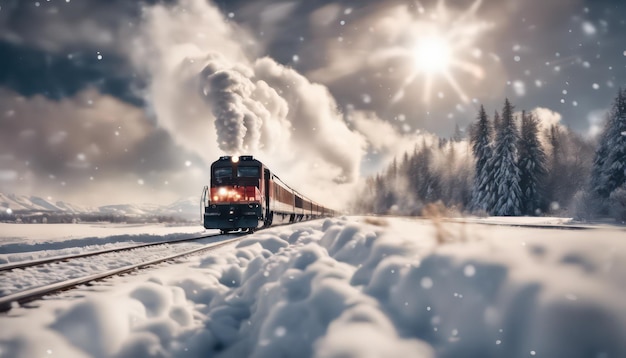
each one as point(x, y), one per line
point(614, 168)
point(608, 173)
point(481, 148)
point(532, 164)
point(597, 182)
point(508, 195)
point(497, 120)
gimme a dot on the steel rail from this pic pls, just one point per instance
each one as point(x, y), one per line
point(29, 295)
point(48, 260)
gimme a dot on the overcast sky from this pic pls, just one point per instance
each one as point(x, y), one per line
point(119, 101)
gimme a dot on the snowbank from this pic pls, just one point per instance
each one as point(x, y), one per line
point(345, 288)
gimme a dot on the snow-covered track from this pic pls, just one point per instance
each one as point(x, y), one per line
point(34, 293)
point(49, 260)
point(535, 225)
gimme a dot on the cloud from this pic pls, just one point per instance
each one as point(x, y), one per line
point(90, 149)
point(597, 120)
point(547, 118)
point(65, 25)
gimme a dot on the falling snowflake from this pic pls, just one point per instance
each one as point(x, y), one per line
point(589, 28)
point(469, 270)
point(519, 87)
point(426, 282)
point(280, 331)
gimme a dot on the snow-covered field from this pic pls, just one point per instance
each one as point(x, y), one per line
point(348, 287)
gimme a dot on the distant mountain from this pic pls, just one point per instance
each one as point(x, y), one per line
point(188, 208)
point(185, 208)
point(35, 203)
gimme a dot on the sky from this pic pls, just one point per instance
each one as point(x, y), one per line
point(129, 101)
point(337, 287)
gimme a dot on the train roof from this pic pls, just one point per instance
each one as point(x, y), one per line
point(228, 159)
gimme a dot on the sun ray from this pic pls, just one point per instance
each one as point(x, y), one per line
point(455, 85)
point(428, 84)
point(470, 68)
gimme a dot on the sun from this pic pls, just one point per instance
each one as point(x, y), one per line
point(441, 40)
point(432, 54)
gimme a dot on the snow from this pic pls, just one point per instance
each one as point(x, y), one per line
point(352, 287)
point(19, 242)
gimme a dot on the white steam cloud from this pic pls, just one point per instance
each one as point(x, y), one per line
point(215, 100)
point(238, 116)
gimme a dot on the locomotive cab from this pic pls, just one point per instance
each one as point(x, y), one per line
point(235, 198)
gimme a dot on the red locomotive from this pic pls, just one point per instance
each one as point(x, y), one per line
point(245, 195)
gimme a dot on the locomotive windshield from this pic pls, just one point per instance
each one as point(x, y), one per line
point(248, 172)
point(222, 174)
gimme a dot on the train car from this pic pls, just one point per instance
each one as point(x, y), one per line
point(244, 194)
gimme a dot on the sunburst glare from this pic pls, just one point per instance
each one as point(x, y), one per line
point(432, 54)
point(442, 42)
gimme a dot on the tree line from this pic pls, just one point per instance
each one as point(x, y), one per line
point(509, 165)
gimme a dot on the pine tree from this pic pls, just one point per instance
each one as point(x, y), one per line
point(481, 148)
point(504, 162)
point(614, 169)
point(497, 120)
point(609, 166)
point(597, 184)
point(458, 133)
point(532, 164)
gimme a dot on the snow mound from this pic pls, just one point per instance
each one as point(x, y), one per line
point(340, 288)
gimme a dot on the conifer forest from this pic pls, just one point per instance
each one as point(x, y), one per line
point(509, 164)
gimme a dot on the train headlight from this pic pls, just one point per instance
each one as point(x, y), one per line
point(235, 159)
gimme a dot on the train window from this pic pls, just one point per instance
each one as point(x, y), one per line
point(248, 172)
point(222, 173)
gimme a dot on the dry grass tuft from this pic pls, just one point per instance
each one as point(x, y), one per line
point(376, 221)
point(437, 212)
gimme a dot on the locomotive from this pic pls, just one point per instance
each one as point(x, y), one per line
point(245, 195)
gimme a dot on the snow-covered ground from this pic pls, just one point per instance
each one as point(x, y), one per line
point(20, 242)
point(351, 287)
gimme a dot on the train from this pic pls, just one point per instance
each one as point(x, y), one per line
point(245, 195)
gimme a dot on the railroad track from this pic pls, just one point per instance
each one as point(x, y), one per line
point(511, 224)
point(534, 226)
point(28, 294)
point(48, 260)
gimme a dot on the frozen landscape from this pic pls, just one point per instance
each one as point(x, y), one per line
point(469, 158)
point(340, 287)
